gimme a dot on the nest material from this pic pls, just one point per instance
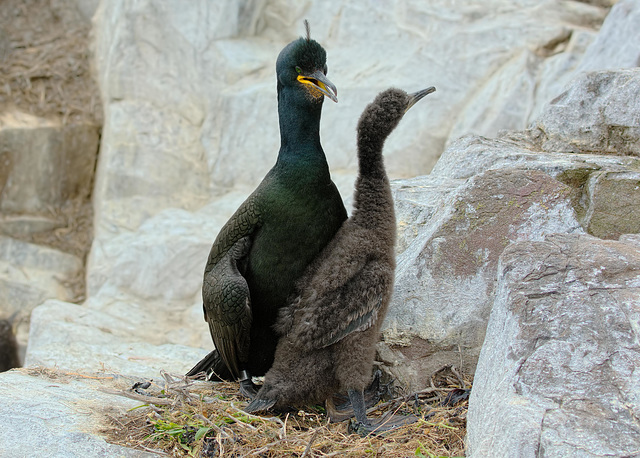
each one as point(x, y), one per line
point(183, 417)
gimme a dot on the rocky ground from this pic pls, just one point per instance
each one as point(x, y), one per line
point(517, 259)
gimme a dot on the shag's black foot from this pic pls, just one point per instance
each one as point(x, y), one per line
point(259, 405)
point(363, 426)
point(339, 407)
point(248, 389)
point(384, 425)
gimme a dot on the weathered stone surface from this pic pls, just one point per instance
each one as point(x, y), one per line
point(472, 155)
point(30, 274)
point(558, 373)
point(44, 164)
point(209, 69)
point(77, 338)
point(616, 45)
point(164, 258)
point(613, 203)
point(599, 113)
point(445, 278)
point(53, 413)
point(416, 202)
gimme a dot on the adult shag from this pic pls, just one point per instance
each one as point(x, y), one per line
point(276, 233)
point(330, 330)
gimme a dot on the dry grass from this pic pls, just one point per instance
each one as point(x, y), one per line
point(183, 417)
point(45, 61)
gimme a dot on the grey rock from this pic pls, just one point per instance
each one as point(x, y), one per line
point(612, 203)
point(616, 44)
point(598, 114)
point(44, 164)
point(471, 155)
point(127, 340)
point(445, 278)
point(557, 375)
point(31, 273)
point(52, 413)
point(605, 188)
point(164, 259)
point(417, 201)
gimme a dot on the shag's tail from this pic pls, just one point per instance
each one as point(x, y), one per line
point(214, 368)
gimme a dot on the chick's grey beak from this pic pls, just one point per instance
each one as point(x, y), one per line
point(417, 96)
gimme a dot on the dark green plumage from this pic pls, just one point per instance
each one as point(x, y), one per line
point(284, 224)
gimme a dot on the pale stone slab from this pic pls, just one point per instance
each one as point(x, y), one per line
point(558, 373)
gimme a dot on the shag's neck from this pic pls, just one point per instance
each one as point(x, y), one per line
point(370, 160)
point(373, 202)
point(299, 120)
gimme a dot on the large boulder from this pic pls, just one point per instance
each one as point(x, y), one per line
point(445, 277)
point(454, 223)
point(62, 414)
point(558, 372)
point(598, 114)
point(616, 43)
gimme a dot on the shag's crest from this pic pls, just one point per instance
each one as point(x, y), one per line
point(307, 28)
point(304, 52)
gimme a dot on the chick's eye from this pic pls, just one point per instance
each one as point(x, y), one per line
point(299, 70)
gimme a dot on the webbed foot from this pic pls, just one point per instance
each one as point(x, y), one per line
point(364, 426)
point(259, 405)
point(336, 414)
point(339, 406)
point(383, 425)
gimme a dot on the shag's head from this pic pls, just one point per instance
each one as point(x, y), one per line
point(383, 114)
point(303, 64)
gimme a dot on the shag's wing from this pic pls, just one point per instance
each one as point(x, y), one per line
point(242, 223)
point(323, 317)
point(225, 293)
point(227, 306)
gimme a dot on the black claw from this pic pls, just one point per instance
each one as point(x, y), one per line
point(259, 405)
point(384, 425)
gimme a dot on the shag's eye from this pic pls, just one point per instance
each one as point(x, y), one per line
point(299, 70)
